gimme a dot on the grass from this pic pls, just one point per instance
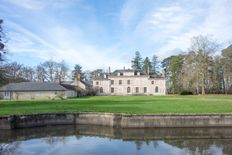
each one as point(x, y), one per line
point(123, 104)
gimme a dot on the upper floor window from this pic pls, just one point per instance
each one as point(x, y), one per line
point(128, 81)
point(145, 89)
point(152, 82)
point(112, 82)
point(137, 89)
point(156, 89)
point(97, 83)
point(128, 90)
point(120, 82)
point(101, 90)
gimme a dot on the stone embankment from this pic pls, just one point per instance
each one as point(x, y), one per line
point(117, 120)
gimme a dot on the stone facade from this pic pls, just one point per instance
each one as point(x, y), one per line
point(24, 95)
point(129, 82)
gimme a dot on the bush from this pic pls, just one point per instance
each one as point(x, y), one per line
point(186, 93)
point(92, 91)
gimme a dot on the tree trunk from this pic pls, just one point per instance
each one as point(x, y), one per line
point(203, 85)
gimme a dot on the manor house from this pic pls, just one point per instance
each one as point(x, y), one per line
point(129, 82)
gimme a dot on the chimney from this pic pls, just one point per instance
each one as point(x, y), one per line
point(109, 70)
point(78, 77)
point(124, 68)
point(148, 70)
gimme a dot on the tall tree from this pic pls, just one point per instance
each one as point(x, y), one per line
point(173, 73)
point(154, 64)
point(2, 43)
point(27, 73)
point(204, 47)
point(77, 70)
point(147, 65)
point(41, 74)
point(61, 71)
point(50, 67)
point(2, 52)
point(136, 62)
point(227, 68)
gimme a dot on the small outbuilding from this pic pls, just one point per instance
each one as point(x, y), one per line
point(33, 90)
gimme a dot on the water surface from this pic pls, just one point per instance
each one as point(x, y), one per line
point(99, 140)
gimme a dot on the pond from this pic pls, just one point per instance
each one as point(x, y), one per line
point(99, 140)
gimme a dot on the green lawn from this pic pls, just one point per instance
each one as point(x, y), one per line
point(123, 104)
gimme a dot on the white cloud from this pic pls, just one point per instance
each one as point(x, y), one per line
point(61, 44)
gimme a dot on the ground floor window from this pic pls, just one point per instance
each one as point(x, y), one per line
point(128, 89)
point(101, 90)
point(156, 89)
point(137, 89)
point(112, 90)
point(7, 93)
point(145, 89)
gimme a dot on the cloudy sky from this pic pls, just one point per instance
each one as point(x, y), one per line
point(102, 33)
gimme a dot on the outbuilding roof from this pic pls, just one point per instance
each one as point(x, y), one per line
point(33, 86)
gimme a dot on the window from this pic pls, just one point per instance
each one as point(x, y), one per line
point(145, 89)
point(97, 83)
point(128, 90)
point(6, 93)
point(101, 90)
point(120, 82)
point(128, 81)
point(152, 82)
point(112, 82)
point(156, 89)
point(55, 92)
point(137, 89)
point(112, 90)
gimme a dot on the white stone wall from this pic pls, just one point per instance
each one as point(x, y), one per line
point(138, 82)
point(104, 85)
point(35, 95)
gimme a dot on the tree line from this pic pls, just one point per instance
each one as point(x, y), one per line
point(147, 65)
point(200, 70)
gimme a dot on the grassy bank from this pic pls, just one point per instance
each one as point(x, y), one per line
point(123, 104)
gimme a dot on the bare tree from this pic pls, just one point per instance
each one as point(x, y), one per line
point(61, 71)
point(203, 47)
point(40, 73)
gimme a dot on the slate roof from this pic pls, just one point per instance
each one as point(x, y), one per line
point(115, 73)
point(33, 86)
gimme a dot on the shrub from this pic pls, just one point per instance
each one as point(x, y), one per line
point(92, 91)
point(186, 93)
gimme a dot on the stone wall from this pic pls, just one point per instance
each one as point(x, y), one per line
point(117, 120)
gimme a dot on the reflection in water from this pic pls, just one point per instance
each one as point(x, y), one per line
point(99, 140)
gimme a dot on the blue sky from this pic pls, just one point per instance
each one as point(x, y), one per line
point(102, 33)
